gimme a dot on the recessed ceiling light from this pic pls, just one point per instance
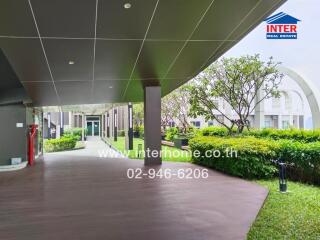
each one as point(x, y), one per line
point(71, 62)
point(127, 5)
point(110, 86)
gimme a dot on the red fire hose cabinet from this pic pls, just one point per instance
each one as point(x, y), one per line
point(31, 141)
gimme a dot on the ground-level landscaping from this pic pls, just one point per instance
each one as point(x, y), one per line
point(69, 141)
point(168, 153)
point(292, 215)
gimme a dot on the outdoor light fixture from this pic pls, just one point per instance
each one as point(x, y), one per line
point(115, 119)
point(71, 62)
point(282, 178)
point(127, 5)
point(130, 117)
point(139, 150)
point(49, 120)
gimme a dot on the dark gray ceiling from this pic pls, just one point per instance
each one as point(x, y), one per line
point(117, 51)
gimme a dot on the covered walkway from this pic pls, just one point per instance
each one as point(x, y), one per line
point(81, 196)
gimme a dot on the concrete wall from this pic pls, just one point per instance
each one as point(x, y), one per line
point(13, 139)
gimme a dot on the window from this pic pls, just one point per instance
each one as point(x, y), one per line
point(77, 121)
point(210, 123)
point(172, 124)
point(285, 124)
point(196, 124)
point(267, 124)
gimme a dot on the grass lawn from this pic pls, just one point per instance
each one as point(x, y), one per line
point(168, 153)
point(293, 215)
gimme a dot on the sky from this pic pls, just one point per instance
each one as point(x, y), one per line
point(301, 55)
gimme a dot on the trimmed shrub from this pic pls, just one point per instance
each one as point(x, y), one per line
point(60, 144)
point(303, 160)
point(276, 134)
point(74, 132)
point(255, 157)
point(121, 133)
point(171, 133)
point(245, 157)
point(214, 131)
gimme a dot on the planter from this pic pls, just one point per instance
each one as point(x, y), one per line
point(179, 142)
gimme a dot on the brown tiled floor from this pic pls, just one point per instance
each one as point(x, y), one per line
point(69, 196)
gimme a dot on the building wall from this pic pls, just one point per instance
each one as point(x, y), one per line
point(13, 139)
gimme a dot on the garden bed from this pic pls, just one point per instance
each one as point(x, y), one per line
point(255, 157)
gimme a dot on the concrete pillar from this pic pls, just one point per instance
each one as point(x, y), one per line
point(108, 125)
point(291, 121)
point(49, 124)
point(71, 121)
point(152, 125)
point(259, 112)
point(115, 124)
point(128, 127)
point(280, 121)
point(102, 126)
point(82, 125)
point(61, 124)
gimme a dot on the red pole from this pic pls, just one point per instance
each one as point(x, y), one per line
point(32, 133)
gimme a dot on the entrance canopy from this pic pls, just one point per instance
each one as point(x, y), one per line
point(96, 51)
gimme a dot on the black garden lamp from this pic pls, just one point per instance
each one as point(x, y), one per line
point(139, 150)
point(282, 178)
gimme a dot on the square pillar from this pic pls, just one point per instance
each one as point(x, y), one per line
point(152, 125)
point(128, 127)
point(108, 125)
point(49, 124)
point(61, 123)
point(115, 124)
point(82, 125)
point(259, 112)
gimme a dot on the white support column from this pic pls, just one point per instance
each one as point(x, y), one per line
point(280, 121)
point(259, 112)
point(83, 127)
point(71, 121)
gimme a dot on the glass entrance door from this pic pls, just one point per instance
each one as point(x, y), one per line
point(93, 128)
point(96, 128)
point(89, 128)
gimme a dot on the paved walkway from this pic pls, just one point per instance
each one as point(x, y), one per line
point(81, 196)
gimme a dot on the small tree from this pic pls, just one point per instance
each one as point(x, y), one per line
point(138, 114)
point(180, 98)
point(242, 83)
point(168, 111)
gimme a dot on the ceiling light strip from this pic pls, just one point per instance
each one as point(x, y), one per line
point(120, 39)
point(140, 50)
point(94, 48)
point(186, 42)
point(44, 52)
point(5, 36)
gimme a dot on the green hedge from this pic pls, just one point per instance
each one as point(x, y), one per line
point(250, 162)
point(255, 156)
point(60, 144)
point(74, 132)
point(276, 134)
point(303, 160)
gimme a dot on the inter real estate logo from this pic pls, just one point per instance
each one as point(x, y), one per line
point(282, 26)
